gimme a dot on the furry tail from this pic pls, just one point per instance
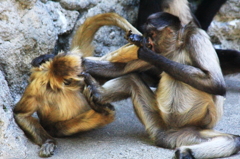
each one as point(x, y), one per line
point(85, 33)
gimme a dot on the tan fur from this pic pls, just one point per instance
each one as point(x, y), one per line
point(62, 108)
point(85, 34)
point(181, 9)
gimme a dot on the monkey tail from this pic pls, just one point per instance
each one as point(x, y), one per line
point(85, 33)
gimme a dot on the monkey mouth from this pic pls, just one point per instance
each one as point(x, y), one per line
point(150, 44)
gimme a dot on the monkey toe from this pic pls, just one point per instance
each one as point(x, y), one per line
point(47, 149)
point(183, 154)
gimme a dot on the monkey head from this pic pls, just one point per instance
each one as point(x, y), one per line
point(161, 29)
point(61, 72)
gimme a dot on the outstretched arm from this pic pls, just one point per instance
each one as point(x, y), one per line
point(32, 128)
point(113, 69)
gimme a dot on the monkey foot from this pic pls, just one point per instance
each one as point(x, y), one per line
point(47, 149)
point(93, 94)
point(183, 154)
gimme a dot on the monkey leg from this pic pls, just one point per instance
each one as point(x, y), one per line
point(143, 98)
point(38, 135)
point(193, 142)
point(83, 122)
point(33, 129)
point(215, 147)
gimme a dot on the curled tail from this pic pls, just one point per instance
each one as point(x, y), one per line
point(85, 33)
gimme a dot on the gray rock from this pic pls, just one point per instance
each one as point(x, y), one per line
point(225, 29)
point(12, 139)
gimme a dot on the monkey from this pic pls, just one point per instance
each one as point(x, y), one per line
point(202, 17)
point(188, 101)
point(58, 94)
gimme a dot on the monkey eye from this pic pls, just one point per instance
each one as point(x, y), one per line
point(67, 81)
point(150, 34)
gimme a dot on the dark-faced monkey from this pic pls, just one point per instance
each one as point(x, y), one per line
point(190, 94)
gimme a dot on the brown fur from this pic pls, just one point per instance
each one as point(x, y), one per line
point(55, 93)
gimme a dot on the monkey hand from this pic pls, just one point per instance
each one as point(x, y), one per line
point(47, 149)
point(93, 93)
point(137, 40)
point(36, 62)
point(134, 38)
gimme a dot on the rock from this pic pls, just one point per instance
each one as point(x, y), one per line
point(28, 33)
point(12, 139)
point(225, 28)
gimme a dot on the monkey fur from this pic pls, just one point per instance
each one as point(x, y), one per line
point(188, 101)
point(58, 94)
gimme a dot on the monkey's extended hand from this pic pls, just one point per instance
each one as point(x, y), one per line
point(93, 95)
point(137, 40)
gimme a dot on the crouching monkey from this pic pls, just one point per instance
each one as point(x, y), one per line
point(189, 98)
point(56, 92)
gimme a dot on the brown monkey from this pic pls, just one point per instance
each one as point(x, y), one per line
point(189, 98)
point(55, 92)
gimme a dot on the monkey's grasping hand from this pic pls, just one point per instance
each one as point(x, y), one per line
point(137, 40)
point(93, 93)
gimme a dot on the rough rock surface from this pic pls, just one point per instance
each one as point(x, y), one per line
point(29, 28)
point(225, 29)
point(12, 139)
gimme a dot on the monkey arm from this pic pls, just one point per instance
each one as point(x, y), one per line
point(113, 69)
point(197, 77)
point(32, 128)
